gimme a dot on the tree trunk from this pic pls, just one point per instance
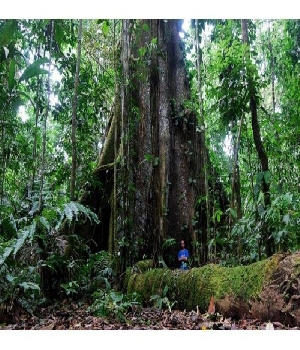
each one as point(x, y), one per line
point(236, 201)
point(164, 143)
point(159, 162)
point(267, 290)
point(74, 116)
point(262, 155)
point(44, 131)
point(204, 154)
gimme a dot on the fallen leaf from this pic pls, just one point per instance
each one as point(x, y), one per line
point(278, 324)
point(211, 308)
point(234, 327)
point(49, 326)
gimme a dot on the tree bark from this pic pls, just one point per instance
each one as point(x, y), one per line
point(154, 145)
point(166, 144)
point(158, 149)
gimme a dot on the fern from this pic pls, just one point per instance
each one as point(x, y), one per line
point(6, 254)
point(16, 244)
point(45, 222)
point(20, 241)
point(75, 209)
point(68, 211)
point(72, 210)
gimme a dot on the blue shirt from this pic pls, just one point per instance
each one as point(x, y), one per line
point(183, 253)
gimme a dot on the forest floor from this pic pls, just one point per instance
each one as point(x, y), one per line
point(75, 316)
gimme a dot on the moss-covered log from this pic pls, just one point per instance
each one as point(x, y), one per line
point(268, 289)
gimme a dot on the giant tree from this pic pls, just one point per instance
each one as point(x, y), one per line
point(150, 172)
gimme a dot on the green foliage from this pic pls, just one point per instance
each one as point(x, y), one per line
point(8, 31)
point(73, 211)
point(282, 219)
point(70, 288)
point(34, 236)
point(168, 242)
point(19, 288)
point(50, 220)
point(283, 216)
point(160, 301)
point(98, 272)
point(114, 304)
point(30, 228)
point(34, 70)
point(93, 279)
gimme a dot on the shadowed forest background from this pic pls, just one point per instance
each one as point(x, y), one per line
point(121, 137)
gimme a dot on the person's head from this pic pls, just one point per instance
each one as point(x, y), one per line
point(182, 244)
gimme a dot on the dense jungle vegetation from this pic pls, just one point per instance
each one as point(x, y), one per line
point(82, 199)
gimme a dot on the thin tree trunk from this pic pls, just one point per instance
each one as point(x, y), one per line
point(272, 68)
point(3, 166)
point(235, 185)
point(44, 132)
point(4, 156)
point(202, 141)
point(74, 116)
point(5, 147)
point(114, 207)
point(34, 147)
point(264, 161)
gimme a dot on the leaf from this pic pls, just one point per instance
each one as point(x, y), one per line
point(34, 69)
point(116, 297)
point(10, 278)
point(20, 241)
point(22, 93)
point(6, 254)
point(8, 31)
point(145, 27)
point(211, 307)
point(259, 177)
point(286, 219)
point(156, 161)
point(32, 72)
point(233, 212)
point(29, 285)
point(45, 222)
point(24, 234)
point(105, 27)
point(72, 209)
point(148, 157)
point(59, 34)
point(68, 211)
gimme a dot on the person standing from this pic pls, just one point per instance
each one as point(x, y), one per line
point(183, 256)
